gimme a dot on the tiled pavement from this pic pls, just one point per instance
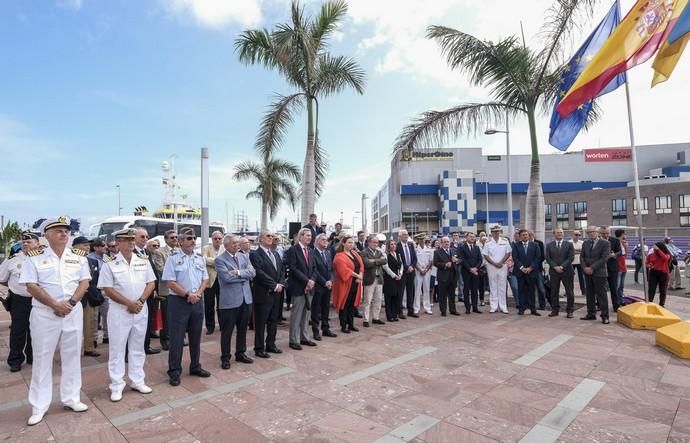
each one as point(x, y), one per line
point(476, 378)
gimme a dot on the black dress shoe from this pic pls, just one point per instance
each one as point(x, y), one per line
point(588, 317)
point(274, 350)
point(94, 353)
point(225, 365)
point(402, 317)
point(553, 314)
point(174, 381)
point(455, 313)
point(535, 313)
point(165, 346)
point(329, 334)
point(357, 315)
point(243, 358)
point(521, 312)
point(413, 315)
point(15, 368)
point(307, 343)
point(443, 314)
point(365, 324)
point(151, 351)
point(295, 346)
point(476, 311)
point(203, 373)
point(95, 343)
point(345, 330)
point(467, 311)
point(569, 315)
point(317, 336)
point(262, 354)
point(396, 319)
point(378, 322)
point(155, 335)
point(605, 320)
point(209, 331)
point(106, 341)
point(353, 329)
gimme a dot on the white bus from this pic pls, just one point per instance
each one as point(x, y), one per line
point(155, 226)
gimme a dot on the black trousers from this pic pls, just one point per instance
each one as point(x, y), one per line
point(638, 266)
point(596, 294)
point(228, 319)
point(210, 299)
point(580, 278)
point(266, 316)
point(320, 308)
point(20, 333)
point(446, 295)
point(151, 306)
point(470, 290)
point(392, 291)
point(568, 284)
point(346, 315)
point(482, 286)
point(163, 304)
point(408, 288)
point(184, 317)
point(613, 288)
point(656, 278)
point(526, 288)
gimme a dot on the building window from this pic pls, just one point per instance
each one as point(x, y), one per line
point(684, 209)
point(580, 209)
point(663, 204)
point(644, 210)
point(548, 224)
point(619, 211)
point(562, 220)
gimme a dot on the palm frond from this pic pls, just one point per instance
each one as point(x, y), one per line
point(254, 194)
point(326, 21)
point(284, 168)
point(255, 46)
point(333, 74)
point(435, 128)
point(248, 170)
point(275, 123)
point(320, 164)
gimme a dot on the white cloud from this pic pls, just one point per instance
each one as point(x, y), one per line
point(70, 4)
point(217, 14)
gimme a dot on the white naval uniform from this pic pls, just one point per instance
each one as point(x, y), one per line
point(498, 277)
point(10, 271)
point(129, 280)
point(59, 278)
point(422, 283)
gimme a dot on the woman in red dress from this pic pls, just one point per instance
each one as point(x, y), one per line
point(348, 270)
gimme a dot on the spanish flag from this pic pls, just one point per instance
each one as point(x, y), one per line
point(669, 54)
point(633, 42)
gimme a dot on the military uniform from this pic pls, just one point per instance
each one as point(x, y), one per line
point(130, 281)
point(189, 271)
point(422, 283)
point(59, 277)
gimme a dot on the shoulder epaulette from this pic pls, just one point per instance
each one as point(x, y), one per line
point(34, 252)
point(107, 259)
point(142, 256)
point(79, 252)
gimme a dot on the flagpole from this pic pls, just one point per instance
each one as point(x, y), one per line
point(638, 199)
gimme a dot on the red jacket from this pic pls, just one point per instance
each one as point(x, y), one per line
point(658, 260)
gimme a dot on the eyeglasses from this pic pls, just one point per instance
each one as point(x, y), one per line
point(155, 246)
point(190, 238)
point(112, 246)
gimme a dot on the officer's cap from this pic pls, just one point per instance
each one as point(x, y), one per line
point(125, 234)
point(187, 231)
point(495, 228)
point(80, 241)
point(56, 222)
point(28, 235)
point(420, 236)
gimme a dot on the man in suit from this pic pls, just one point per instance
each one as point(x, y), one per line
point(373, 260)
point(595, 253)
point(140, 239)
point(159, 259)
point(455, 243)
point(612, 265)
point(407, 252)
point(445, 260)
point(321, 302)
point(267, 290)
point(82, 243)
point(210, 252)
point(541, 289)
point(300, 262)
point(313, 228)
point(471, 256)
point(361, 242)
point(526, 256)
point(234, 271)
point(560, 255)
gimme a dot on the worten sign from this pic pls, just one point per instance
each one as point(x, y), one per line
point(608, 155)
point(423, 155)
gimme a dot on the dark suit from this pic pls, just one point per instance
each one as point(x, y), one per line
point(315, 230)
point(408, 277)
point(541, 290)
point(470, 259)
point(595, 256)
point(527, 282)
point(561, 256)
point(266, 300)
point(612, 269)
point(446, 279)
point(301, 271)
point(321, 303)
point(360, 245)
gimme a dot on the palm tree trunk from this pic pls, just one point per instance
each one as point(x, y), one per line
point(264, 215)
point(534, 202)
point(309, 169)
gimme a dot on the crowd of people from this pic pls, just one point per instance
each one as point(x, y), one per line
point(60, 296)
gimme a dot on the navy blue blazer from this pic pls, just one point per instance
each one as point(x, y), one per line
point(531, 259)
point(300, 272)
point(413, 255)
point(472, 259)
point(267, 276)
point(323, 268)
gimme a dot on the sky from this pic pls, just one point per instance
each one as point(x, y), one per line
point(97, 94)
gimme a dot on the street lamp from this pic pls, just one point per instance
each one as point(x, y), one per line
point(354, 216)
point(510, 181)
point(486, 184)
point(119, 205)
point(428, 231)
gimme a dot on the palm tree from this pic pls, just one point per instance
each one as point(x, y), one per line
point(275, 184)
point(521, 82)
point(298, 51)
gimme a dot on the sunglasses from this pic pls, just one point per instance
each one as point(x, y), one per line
point(190, 238)
point(155, 246)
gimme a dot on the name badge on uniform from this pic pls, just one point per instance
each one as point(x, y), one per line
point(72, 262)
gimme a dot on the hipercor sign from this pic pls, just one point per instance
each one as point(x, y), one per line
point(608, 155)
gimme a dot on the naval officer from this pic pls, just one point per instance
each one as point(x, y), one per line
point(57, 278)
point(186, 276)
point(128, 281)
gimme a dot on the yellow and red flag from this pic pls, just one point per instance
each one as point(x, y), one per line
point(635, 40)
point(669, 54)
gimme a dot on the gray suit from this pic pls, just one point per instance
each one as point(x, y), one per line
point(234, 301)
point(563, 256)
point(595, 256)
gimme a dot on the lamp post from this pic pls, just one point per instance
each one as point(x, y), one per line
point(354, 216)
point(119, 205)
point(486, 184)
point(428, 231)
point(510, 181)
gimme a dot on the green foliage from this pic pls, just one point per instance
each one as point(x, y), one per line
point(11, 234)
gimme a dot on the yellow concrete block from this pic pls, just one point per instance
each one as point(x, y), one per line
point(643, 315)
point(675, 338)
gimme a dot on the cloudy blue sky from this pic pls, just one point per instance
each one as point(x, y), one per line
point(99, 93)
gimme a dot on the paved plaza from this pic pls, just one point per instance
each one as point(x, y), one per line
point(474, 378)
